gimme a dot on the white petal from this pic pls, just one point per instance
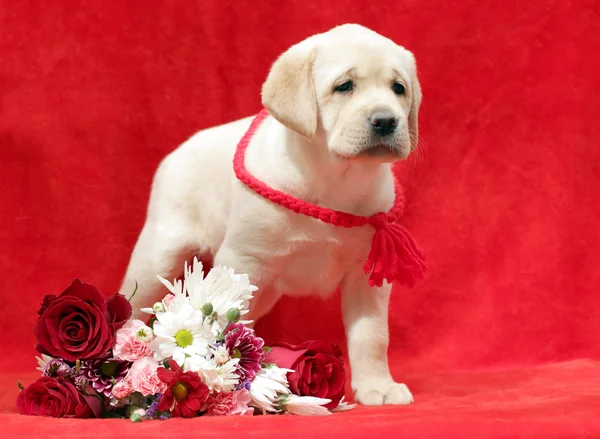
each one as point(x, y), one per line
point(166, 283)
point(307, 406)
point(179, 356)
point(43, 361)
point(162, 348)
point(343, 406)
point(161, 331)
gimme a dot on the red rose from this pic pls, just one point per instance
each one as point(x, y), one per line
point(318, 369)
point(80, 324)
point(58, 398)
point(118, 311)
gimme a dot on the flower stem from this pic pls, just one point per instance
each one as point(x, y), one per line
point(134, 290)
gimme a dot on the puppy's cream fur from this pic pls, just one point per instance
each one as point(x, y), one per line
point(317, 145)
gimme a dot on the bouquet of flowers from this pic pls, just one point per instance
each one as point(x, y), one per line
point(196, 357)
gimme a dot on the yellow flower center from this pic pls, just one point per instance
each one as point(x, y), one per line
point(108, 369)
point(179, 391)
point(236, 353)
point(184, 338)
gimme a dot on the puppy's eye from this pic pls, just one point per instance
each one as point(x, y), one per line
point(345, 87)
point(398, 88)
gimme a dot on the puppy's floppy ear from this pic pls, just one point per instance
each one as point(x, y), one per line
point(413, 114)
point(289, 92)
point(415, 102)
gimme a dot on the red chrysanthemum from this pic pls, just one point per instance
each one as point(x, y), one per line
point(243, 344)
point(185, 394)
point(103, 374)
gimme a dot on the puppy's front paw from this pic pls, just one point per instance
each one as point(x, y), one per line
point(387, 392)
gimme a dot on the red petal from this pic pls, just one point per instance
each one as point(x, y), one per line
point(284, 357)
point(166, 376)
point(86, 292)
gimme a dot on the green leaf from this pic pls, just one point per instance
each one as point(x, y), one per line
point(268, 365)
point(20, 386)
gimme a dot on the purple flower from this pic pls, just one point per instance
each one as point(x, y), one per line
point(56, 368)
point(151, 411)
point(243, 385)
point(103, 374)
point(243, 344)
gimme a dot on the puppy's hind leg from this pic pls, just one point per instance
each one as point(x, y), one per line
point(266, 297)
point(161, 251)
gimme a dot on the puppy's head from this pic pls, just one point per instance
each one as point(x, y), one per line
point(359, 86)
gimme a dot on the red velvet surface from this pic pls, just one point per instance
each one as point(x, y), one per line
point(500, 340)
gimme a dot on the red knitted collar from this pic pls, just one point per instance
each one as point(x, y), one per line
point(394, 256)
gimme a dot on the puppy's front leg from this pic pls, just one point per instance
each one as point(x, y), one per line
point(365, 312)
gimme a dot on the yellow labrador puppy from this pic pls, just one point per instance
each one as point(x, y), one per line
point(342, 108)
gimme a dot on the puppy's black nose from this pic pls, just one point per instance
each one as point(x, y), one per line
point(383, 123)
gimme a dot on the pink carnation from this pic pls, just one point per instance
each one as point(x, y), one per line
point(142, 377)
point(121, 390)
point(230, 404)
point(132, 341)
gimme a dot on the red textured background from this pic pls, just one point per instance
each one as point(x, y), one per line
point(501, 340)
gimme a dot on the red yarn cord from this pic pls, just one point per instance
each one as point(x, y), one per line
point(394, 255)
point(330, 216)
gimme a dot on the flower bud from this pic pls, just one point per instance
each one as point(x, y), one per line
point(158, 307)
point(135, 417)
point(207, 309)
point(144, 334)
point(121, 390)
point(56, 368)
point(81, 383)
point(233, 315)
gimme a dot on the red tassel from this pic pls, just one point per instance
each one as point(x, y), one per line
point(394, 256)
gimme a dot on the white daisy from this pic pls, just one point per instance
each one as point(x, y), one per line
point(176, 289)
point(218, 378)
point(222, 288)
point(220, 354)
point(305, 405)
point(180, 334)
point(267, 387)
point(198, 363)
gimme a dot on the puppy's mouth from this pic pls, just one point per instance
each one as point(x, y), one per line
point(382, 150)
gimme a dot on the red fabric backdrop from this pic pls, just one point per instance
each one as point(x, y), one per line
point(501, 340)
